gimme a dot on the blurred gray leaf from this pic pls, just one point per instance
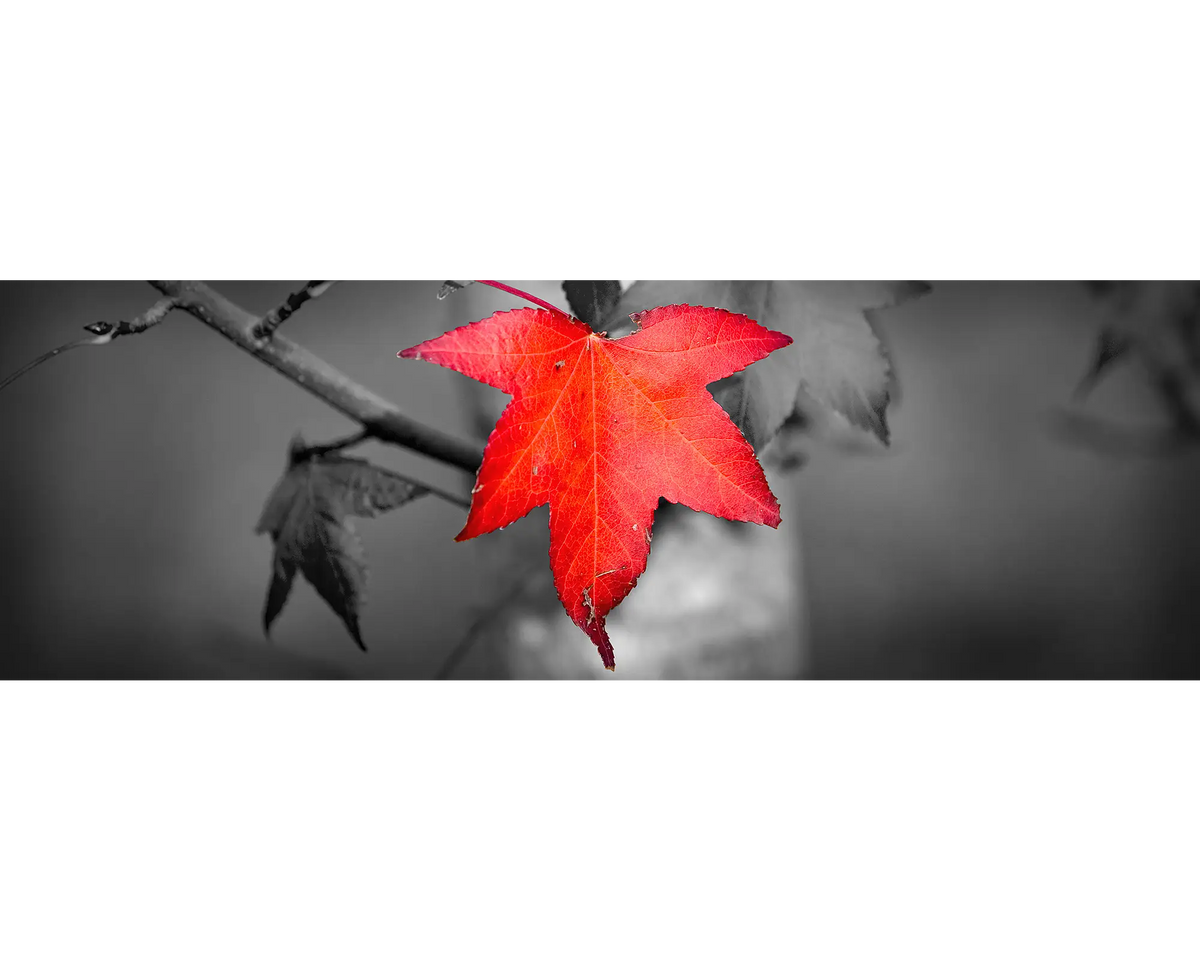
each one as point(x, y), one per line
point(1112, 346)
point(592, 301)
point(1156, 324)
point(308, 517)
point(836, 365)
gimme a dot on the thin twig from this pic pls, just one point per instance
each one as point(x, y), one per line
point(150, 318)
point(310, 291)
point(102, 333)
point(447, 496)
point(382, 418)
point(50, 354)
point(301, 452)
point(464, 646)
point(320, 449)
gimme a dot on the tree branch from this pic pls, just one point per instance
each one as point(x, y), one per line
point(151, 317)
point(311, 290)
point(382, 419)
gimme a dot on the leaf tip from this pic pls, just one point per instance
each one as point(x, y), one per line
point(272, 610)
point(593, 626)
point(351, 622)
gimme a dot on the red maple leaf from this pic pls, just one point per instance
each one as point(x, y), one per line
point(601, 429)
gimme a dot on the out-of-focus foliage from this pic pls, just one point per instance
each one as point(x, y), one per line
point(1153, 326)
point(592, 301)
point(308, 517)
point(835, 375)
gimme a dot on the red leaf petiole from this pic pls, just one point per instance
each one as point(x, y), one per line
point(522, 294)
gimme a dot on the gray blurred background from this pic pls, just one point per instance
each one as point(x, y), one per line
point(983, 544)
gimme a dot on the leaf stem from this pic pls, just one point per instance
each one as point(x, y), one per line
point(448, 497)
point(525, 296)
point(320, 449)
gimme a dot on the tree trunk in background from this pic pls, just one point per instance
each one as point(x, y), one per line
point(718, 600)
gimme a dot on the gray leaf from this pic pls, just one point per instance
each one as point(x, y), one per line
point(308, 516)
point(836, 362)
point(592, 301)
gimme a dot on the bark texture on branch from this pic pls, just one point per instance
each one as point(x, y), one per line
point(383, 420)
